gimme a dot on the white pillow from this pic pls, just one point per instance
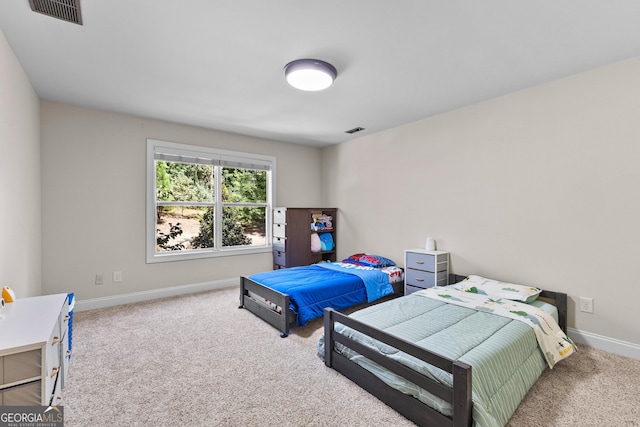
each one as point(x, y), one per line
point(496, 289)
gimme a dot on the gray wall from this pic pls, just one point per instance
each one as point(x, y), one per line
point(539, 187)
point(93, 170)
point(19, 178)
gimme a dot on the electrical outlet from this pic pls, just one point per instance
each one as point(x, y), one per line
point(99, 279)
point(586, 304)
point(117, 276)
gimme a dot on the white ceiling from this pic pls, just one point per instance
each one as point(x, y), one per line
point(219, 63)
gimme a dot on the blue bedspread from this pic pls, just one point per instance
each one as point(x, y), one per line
point(376, 283)
point(313, 288)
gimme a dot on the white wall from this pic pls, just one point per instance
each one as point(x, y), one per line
point(93, 169)
point(20, 213)
point(538, 187)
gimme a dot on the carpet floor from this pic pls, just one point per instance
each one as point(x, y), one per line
point(198, 360)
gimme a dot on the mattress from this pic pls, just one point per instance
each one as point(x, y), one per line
point(313, 288)
point(504, 354)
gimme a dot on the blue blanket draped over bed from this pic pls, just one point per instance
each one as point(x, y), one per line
point(376, 282)
point(312, 288)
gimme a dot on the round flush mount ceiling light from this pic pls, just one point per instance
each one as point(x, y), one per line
point(310, 74)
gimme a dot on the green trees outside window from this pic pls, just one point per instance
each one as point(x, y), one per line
point(187, 205)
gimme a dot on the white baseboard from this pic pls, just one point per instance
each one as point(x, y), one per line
point(102, 302)
point(612, 345)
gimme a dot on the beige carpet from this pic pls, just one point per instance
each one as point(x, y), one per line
point(198, 360)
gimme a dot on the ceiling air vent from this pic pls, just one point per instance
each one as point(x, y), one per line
point(354, 130)
point(67, 10)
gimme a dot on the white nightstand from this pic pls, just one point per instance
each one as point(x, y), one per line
point(425, 269)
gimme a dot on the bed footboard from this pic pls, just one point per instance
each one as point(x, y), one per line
point(459, 396)
point(284, 321)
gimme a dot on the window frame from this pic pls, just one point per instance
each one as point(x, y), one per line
point(192, 151)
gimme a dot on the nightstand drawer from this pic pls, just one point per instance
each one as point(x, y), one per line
point(427, 262)
point(425, 279)
point(420, 278)
point(408, 289)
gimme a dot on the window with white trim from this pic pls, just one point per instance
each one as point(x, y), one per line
point(205, 202)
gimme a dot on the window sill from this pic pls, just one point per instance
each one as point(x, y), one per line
point(202, 254)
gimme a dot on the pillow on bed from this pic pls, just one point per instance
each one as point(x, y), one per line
point(496, 289)
point(369, 260)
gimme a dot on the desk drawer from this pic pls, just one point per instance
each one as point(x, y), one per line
point(20, 366)
point(22, 395)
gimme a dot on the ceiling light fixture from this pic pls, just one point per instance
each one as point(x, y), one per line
point(310, 74)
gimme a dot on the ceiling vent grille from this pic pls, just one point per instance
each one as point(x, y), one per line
point(67, 10)
point(354, 130)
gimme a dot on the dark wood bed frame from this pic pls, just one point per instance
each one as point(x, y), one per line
point(459, 395)
point(285, 321)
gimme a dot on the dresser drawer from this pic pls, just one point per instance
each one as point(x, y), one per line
point(280, 258)
point(20, 366)
point(280, 215)
point(279, 230)
point(280, 244)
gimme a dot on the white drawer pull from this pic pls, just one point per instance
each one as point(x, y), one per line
point(419, 279)
point(54, 371)
point(419, 262)
point(55, 341)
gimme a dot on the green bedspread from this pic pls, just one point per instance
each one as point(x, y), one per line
point(553, 342)
point(504, 354)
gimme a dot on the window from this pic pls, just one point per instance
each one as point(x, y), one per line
point(204, 202)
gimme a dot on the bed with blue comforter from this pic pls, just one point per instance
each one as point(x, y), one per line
point(291, 297)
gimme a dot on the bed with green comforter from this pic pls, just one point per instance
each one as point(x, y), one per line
point(502, 353)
